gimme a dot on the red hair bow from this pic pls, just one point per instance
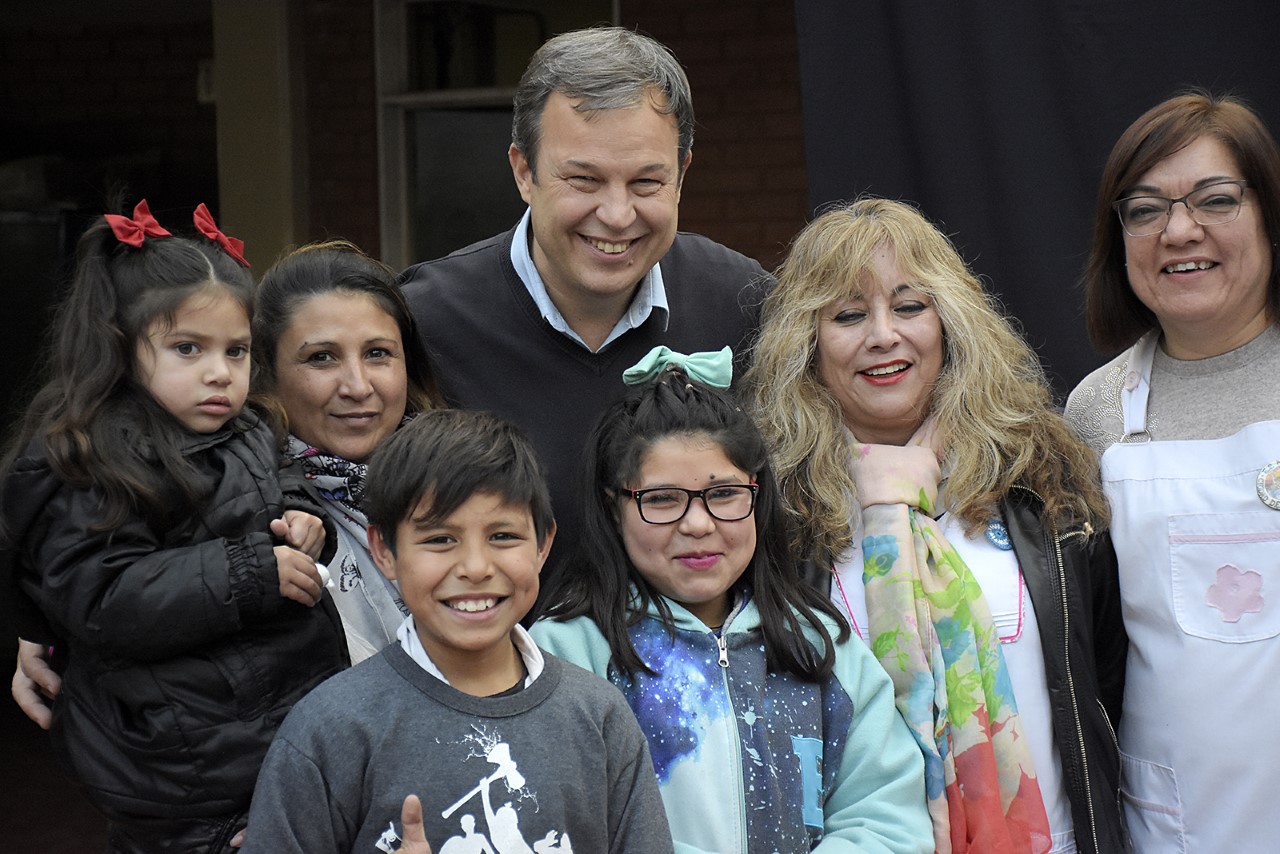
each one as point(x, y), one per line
point(204, 222)
point(134, 231)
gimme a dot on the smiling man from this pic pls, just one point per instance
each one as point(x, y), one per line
point(538, 324)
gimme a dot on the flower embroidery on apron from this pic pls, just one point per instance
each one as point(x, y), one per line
point(1236, 593)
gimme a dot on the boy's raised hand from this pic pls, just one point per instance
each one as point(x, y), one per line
point(299, 578)
point(301, 530)
point(415, 834)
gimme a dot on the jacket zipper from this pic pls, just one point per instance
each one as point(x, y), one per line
point(1115, 742)
point(1071, 686)
point(1066, 656)
point(722, 644)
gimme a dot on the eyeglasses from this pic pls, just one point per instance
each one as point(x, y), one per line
point(1214, 204)
point(664, 505)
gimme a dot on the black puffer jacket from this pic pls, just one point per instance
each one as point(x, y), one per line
point(183, 658)
point(1071, 579)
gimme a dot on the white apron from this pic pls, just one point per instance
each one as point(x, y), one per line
point(1199, 555)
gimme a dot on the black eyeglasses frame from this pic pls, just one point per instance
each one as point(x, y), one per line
point(638, 494)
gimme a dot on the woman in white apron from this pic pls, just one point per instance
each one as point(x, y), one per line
point(1187, 419)
point(956, 520)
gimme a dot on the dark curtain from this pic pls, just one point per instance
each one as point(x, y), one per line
point(996, 117)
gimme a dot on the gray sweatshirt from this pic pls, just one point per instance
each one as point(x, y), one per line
point(559, 766)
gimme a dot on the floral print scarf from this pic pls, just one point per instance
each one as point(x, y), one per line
point(370, 606)
point(931, 629)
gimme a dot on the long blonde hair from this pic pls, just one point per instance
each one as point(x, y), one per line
point(992, 405)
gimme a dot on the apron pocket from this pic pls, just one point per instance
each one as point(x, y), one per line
point(1152, 806)
point(1225, 575)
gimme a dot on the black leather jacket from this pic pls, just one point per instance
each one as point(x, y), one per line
point(1071, 578)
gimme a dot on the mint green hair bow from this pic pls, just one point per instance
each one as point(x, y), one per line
point(713, 369)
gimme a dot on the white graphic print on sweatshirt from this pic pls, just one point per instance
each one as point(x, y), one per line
point(501, 781)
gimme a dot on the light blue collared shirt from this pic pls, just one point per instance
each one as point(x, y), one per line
point(534, 664)
point(650, 296)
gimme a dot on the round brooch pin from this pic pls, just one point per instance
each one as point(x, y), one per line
point(1269, 485)
point(998, 535)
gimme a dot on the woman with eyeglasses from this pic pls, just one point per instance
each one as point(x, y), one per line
point(1183, 278)
point(957, 522)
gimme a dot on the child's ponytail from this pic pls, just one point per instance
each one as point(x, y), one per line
point(91, 412)
point(88, 356)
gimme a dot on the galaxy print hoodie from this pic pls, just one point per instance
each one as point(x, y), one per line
point(760, 762)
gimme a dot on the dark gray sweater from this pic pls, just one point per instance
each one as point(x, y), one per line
point(492, 350)
point(563, 757)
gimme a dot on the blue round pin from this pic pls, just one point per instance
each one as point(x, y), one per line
point(998, 535)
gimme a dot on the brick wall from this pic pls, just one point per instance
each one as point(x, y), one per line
point(117, 103)
point(341, 121)
point(747, 186)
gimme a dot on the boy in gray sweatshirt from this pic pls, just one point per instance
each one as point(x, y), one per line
point(508, 749)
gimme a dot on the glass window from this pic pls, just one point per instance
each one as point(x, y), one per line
point(447, 70)
point(462, 185)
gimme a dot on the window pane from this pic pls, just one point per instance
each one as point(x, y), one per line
point(462, 186)
point(465, 45)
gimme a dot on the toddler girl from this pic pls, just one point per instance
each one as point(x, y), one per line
point(149, 534)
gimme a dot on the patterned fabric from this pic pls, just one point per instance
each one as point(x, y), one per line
point(340, 483)
point(1093, 409)
point(371, 607)
point(755, 760)
point(931, 629)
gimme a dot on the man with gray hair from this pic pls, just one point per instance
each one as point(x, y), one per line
point(538, 324)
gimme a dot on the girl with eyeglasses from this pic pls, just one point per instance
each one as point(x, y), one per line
point(1184, 283)
point(770, 729)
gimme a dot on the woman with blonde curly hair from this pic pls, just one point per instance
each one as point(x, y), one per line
point(922, 461)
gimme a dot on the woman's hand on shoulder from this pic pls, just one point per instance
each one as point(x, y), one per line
point(303, 531)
